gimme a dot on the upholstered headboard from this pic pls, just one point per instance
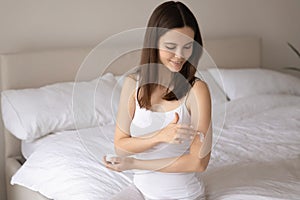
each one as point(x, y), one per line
point(35, 69)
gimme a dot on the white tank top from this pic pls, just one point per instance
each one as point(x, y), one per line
point(159, 185)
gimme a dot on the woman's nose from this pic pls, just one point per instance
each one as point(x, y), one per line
point(178, 53)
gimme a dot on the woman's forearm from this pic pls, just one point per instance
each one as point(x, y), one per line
point(173, 133)
point(184, 163)
point(190, 162)
point(133, 145)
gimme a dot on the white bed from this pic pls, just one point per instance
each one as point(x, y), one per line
point(255, 157)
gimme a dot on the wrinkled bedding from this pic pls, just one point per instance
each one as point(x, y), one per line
point(256, 156)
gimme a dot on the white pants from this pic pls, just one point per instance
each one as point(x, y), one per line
point(132, 193)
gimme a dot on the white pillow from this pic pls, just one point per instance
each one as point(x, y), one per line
point(32, 113)
point(68, 166)
point(240, 83)
point(120, 80)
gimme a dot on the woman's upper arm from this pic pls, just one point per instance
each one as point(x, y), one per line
point(126, 109)
point(200, 108)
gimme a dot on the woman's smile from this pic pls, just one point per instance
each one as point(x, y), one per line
point(175, 47)
point(177, 65)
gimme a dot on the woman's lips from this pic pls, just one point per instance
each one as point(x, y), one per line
point(176, 64)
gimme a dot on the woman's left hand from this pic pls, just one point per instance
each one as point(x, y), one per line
point(119, 164)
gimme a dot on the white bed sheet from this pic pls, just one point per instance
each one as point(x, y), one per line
point(278, 179)
point(255, 157)
point(258, 128)
point(68, 165)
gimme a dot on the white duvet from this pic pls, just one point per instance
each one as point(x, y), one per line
point(255, 157)
point(259, 128)
point(67, 165)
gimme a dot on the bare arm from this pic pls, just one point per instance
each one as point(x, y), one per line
point(198, 157)
point(125, 144)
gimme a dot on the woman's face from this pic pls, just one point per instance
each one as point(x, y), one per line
point(175, 47)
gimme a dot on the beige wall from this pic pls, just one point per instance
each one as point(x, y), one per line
point(36, 24)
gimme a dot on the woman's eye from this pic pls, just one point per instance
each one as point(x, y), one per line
point(170, 47)
point(188, 46)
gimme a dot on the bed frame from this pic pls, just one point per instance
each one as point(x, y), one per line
point(39, 68)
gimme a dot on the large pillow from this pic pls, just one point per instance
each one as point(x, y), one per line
point(69, 165)
point(246, 82)
point(32, 113)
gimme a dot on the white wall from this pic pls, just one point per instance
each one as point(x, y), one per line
point(36, 24)
point(275, 21)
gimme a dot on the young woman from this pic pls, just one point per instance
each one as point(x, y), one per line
point(164, 116)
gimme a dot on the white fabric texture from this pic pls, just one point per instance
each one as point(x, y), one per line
point(246, 82)
point(258, 128)
point(69, 166)
point(257, 154)
point(272, 180)
point(32, 113)
point(129, 193)
point(255, 157)
point(160, 185)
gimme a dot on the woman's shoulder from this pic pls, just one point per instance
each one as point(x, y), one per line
point(199, 84)
point(199, 92)
point(129, 81)
point(199, 89)
point(132, 76)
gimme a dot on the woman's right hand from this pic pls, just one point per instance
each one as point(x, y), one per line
point(175, 133)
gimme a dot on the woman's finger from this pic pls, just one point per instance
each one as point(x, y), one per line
point(116, 160)
point(187, 126)
point(186, 133)
point(112, 167)
point(176, 140)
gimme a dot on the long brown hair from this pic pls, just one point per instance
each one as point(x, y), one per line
point(167, 16)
